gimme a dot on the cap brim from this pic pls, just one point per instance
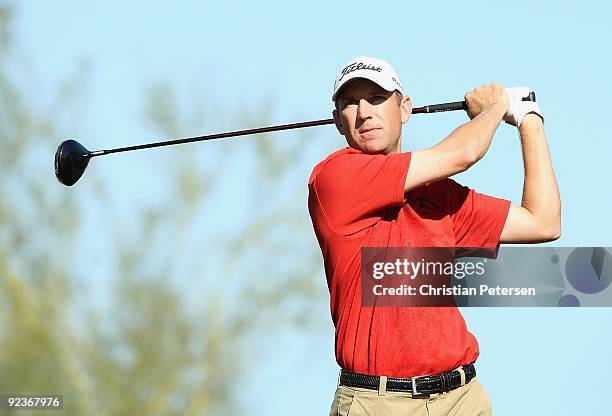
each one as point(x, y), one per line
point(385, 84)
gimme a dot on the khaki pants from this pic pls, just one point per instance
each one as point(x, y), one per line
point(471, 399)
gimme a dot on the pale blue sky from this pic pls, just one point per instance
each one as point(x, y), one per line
point(240, 54)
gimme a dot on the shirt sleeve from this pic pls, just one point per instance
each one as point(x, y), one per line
point(355, 190)
point(477, 219)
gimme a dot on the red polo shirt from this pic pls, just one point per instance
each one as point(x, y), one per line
point(357, 200)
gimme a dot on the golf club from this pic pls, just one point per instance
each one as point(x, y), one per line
point(72, 158)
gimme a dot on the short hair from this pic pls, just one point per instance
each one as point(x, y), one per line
point(398, 98)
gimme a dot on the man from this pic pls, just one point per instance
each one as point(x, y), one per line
point(370, 194)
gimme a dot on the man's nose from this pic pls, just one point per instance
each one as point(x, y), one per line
point(364, 109)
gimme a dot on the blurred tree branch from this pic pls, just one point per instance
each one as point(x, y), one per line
point(149, 351)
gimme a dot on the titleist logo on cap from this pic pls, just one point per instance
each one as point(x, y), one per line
point(356, 66)
point(376, 70)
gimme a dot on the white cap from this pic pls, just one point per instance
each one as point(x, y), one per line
point(376, 70)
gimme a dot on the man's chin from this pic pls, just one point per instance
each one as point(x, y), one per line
point(374, 151)
point(372, 148)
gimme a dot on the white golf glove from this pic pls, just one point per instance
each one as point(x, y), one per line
point(518, 108)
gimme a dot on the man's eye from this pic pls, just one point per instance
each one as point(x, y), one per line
point(379, 98)
point(350, 102)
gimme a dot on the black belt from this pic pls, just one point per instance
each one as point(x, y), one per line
point(428, 384)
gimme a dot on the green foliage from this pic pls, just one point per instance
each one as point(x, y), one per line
point(147, 350)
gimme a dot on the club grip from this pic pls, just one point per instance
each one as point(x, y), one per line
point(438, 108)
point(457, 105)
point(530, 97)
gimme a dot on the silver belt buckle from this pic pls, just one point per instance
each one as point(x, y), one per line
point(413, 381)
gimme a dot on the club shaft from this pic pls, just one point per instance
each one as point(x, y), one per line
point(215, 136)
point(435, 108)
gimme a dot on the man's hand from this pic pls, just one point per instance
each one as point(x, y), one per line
point(519, 108)
point(488, 97)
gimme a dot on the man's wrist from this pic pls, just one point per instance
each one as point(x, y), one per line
point(499, 109)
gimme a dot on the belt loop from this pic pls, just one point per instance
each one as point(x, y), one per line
point(339, 374)
point(382, 386)
point(462, 372)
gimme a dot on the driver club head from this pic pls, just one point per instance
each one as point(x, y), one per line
point(71, 160)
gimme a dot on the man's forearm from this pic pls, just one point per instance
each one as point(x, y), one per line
point(475, 136)
point(540, 189)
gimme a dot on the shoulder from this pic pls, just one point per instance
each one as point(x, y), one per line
point(333, 160)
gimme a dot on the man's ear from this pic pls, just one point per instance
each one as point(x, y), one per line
point(338, 122)
point(406, 108)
